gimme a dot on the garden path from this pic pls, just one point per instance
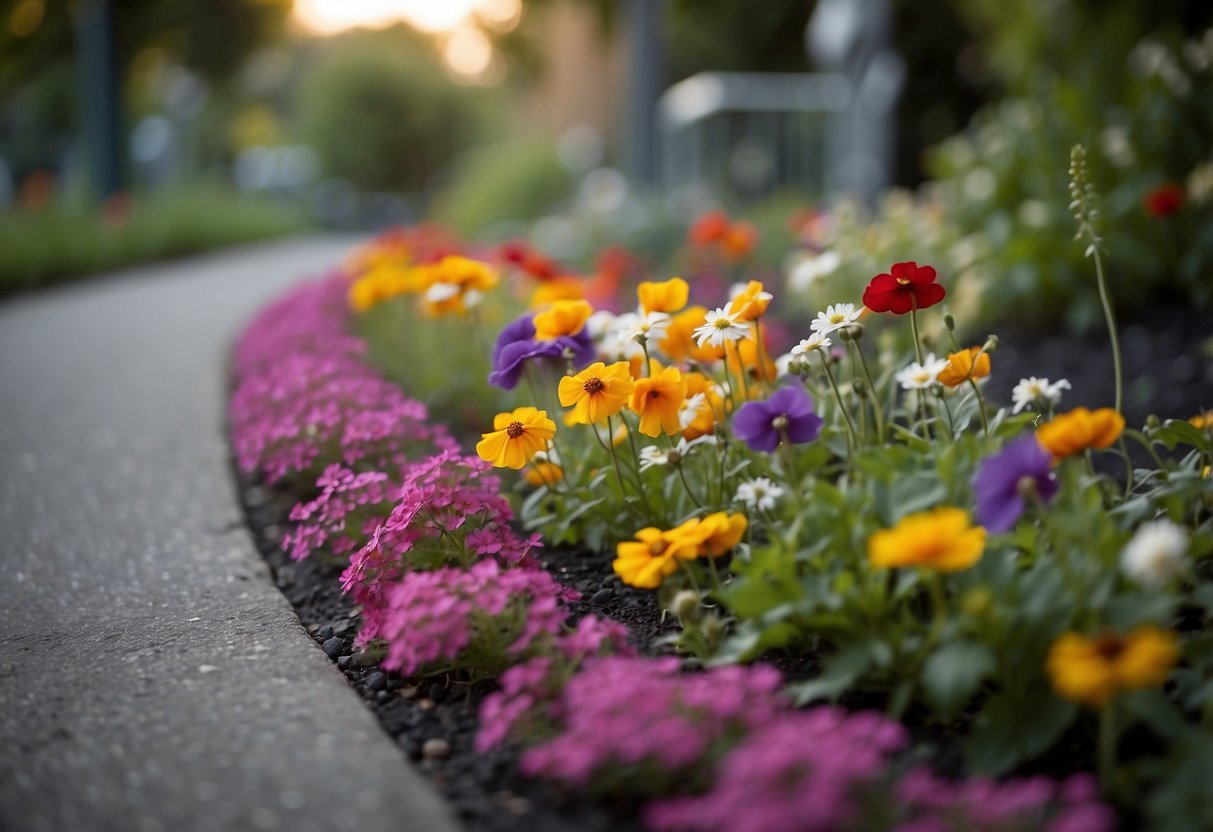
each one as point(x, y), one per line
point(151, 675)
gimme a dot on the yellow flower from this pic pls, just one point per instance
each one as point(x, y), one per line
point(751, 304)
point(450, 283)
point(543, 473)
point(596, 392)
point(516, 437)
point(941, 539)
point(620, 435)
point(713, 535)
point(1079, 429)
point(667, 296)
point(1202, 421)
point(657, 400)
point(1094, 670)
point(566, 287)
point(364, 293)
point(564, 317)
point(747, 349)
point(646, 561)
point(964, 365)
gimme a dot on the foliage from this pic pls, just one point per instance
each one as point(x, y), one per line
point(64, 239)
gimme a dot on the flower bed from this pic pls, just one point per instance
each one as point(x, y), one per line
point(873, 524)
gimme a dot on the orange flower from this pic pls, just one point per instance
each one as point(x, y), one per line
point(751, 304)
point(565, 287)
point(739, 241)
point(657, 400)
point(941, 539)
point(713, 535)
point(451, 283)
point(679, 343)
point(648, 560)
point(709, 409)
point(542, 473)
point(597, 392)
point(666, 296)
point(564, 317)
point(709, 228)
point(964, 365)
point(1079, 429)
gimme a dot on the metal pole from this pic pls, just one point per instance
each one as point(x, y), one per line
point(99, 96)
point(646, 81)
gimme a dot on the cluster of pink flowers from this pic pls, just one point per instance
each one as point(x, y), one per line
point(349, 507)
point(305, 398)
point(642, 717)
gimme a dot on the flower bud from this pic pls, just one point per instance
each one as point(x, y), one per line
point(568, 354)
point(1153, 422)
point(855, 330)
point(991, 344)
point(686, 605)
point(860, 387)
point(673, 457)
point(976, 601)
point(713, 629)
point(949, 321)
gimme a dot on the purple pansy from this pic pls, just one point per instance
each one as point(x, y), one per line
point(1000, 481)
point(516, 345)
point(755, 422)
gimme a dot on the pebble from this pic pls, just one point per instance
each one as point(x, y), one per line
point(342, 627)
point(426, 704)
point(333, 647)
point(343, 662)
point(408, 692)
point(410, 747)
point(437, 692)
point(326, 633)
point(382, 697)
point(364, 658)
point(376, 681)
point(436, 749)
point(602, 596)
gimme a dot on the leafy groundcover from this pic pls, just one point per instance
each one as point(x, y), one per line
point(757, 574)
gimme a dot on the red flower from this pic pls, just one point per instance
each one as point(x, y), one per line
point(910, 286)
point(709, 228)
point(1164, 200)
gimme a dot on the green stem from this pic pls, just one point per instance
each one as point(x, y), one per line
point(877, 404)
point(1110, 317)
point(1107, 745)
point(825, 363)
point(914, 330)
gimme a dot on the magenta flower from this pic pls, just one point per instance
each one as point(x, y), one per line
point(1002, 481)
point(788, 414)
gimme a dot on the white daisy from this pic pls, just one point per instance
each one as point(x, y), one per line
point(683, 448)
point(809, 270)
point(1155, 555)
point(759, 493)
point(1037, 391)
point(651, 456)
point(690, 409)
point(472, 298)
point(650, 327)
point(922, 376)
point(719, 326)
point(836, 316)
point(438, 292)
point(816, 341)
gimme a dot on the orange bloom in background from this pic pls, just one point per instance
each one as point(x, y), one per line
point(1202, 421)
point(542, 473)
point(666, 296)
point(516, 437)
point(597, 392)
point(739, 241)
point(709, 228)
point(564, 317)
point(1079, 429)
point(679, 343)
point(565, 287)
point(751, 304)
point(1093, 671)
point(964, 365)
point(757, 365)
point(657, 400)
point(648, 560)
point(452, 284)
point(941, 539)
point(711, 406)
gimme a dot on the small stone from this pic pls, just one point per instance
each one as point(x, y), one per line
point(340, 628)
point(326, 633)
point(364, 658)
point(426, 704)
point(436, 749)
point(408, 692)
point(437, 692)
point(602, 596)
point(376, 681)
point(256, 496)
point(272, 533)
point(313, 628)
point(343, 662)
point(333, 647)
point(409, 746)
point(382, 697)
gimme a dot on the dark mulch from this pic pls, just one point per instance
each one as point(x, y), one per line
point(1168, 359)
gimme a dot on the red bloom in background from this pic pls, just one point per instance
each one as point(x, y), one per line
point(709, 228)
point(1164, 200)
point(909, 286)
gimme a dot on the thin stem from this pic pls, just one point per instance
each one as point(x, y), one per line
point(1107, 745)
point(914, 330)
point(745, 390)
point(682, 476)
point(825, 363)
point(877, 404)
point(1110, 317)
point(762, 355)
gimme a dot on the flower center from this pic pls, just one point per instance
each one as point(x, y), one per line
point(837, 318)
point(654, 394)
point(903, 281)
point(722, 323)
point(1109, 646)
point(656, 548)
point(593, 386)
point(780, 422)
point(922, 377)
point(514, 430)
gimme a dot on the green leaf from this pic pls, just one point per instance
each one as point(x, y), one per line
point(954, 672)
point(1013, 728)
point(839, 672)
point(1175, 432)
point(1154, 709)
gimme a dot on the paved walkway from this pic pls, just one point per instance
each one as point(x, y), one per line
point(151, 677)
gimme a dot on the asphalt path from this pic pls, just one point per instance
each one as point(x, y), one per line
point(151, 676)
